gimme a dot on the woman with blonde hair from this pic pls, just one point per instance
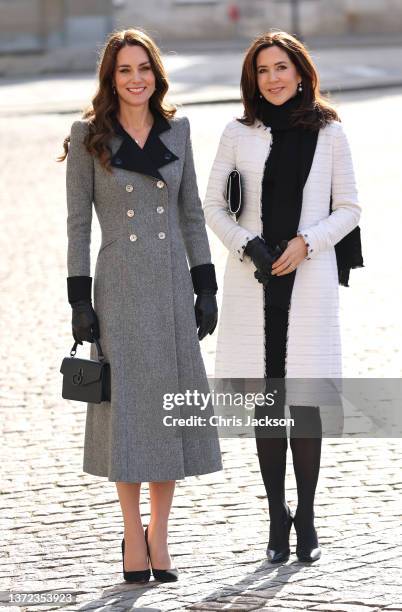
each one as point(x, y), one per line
point(296, 239)
point(131, 158)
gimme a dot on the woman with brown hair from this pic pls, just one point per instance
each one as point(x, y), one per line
point(280, 308)
point(131, 158)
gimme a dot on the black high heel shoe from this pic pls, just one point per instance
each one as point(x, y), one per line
point(137, 575)
point(169, 575)
point(278, 550)
point(307, 548)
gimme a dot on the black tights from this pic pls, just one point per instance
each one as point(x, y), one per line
point(305, 443)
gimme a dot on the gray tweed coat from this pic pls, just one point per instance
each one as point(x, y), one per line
point(143, 296)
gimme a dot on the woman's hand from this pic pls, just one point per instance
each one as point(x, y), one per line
point(292, 256)
point(85, 324)
point(261, 256)
point(206, 313)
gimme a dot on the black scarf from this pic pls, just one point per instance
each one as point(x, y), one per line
point(285, 175)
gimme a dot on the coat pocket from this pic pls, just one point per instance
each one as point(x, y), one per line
point(106, 245)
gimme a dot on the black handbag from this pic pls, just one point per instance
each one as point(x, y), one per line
point(86, 380)
point(233, 195)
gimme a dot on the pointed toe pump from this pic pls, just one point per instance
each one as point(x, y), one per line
point(310, 555)
point(278, 549)
point(307, 548)
point(137, 575)
point(161, 575)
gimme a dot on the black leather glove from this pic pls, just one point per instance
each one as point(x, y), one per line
point(260, 274)
point(85, 324)
point(206, 309)
point(261, 256)
point(206, 313)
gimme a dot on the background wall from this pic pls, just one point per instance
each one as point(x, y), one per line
point(185, 19)
point(39, 36)
point(39, 25)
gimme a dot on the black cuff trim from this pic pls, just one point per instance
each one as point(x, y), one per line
point(204, 278)
point(79, 288)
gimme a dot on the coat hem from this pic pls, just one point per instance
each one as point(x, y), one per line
point(181, 476)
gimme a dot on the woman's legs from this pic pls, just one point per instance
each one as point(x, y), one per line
point(161, 496)
point(305, 442)
point(135, 555)
point(272, 442)
point(272, 459)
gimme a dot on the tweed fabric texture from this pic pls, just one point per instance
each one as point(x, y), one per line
point(152, 231)
point(313, 340)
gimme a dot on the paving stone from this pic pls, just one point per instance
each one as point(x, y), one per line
point(61, 528)
point(343, 608)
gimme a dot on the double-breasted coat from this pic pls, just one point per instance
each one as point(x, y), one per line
point(153, 229)
point(313, 348)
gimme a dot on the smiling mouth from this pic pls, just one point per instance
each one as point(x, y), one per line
point(276, 90)
point(135, 90)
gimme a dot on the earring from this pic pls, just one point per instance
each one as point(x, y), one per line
point(300, 87)
point(114, 90)
point(260, 96)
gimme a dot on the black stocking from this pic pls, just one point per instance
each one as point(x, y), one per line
point(272, 459)
point(305, 442)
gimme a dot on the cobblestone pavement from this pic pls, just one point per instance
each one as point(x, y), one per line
point(61, 528)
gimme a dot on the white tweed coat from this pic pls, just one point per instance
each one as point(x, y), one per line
point(314, 342)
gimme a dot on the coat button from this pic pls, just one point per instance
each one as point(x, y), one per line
point(160, 210)
point(130, 213)
point(160, 184)
point(133, 237)
point(129, 188)
point(162, 235)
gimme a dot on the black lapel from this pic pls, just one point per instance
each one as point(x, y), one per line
point(148, 160)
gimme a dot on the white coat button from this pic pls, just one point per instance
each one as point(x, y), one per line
point(129, 188)
point(162, 235)
point(133, 237)
point(160, 210)
point(160, 184)
point(130, 213)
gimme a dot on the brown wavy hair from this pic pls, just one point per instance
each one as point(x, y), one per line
point(105, 103)
point(315, 110)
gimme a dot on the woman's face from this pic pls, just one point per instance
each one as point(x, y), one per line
point(277, 77)
point(134, 79)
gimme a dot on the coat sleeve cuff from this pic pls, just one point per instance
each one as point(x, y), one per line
point(239, 252)
point(308, 237)
point(79, 288)
point(204, 278)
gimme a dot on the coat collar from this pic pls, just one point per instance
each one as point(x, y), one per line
point(151, 157)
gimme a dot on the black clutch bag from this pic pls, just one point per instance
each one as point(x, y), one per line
point(233, 193)
point(86, 380)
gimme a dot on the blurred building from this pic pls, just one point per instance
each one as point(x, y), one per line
point(212, 19)
point(41, 25)
point(38, 36)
